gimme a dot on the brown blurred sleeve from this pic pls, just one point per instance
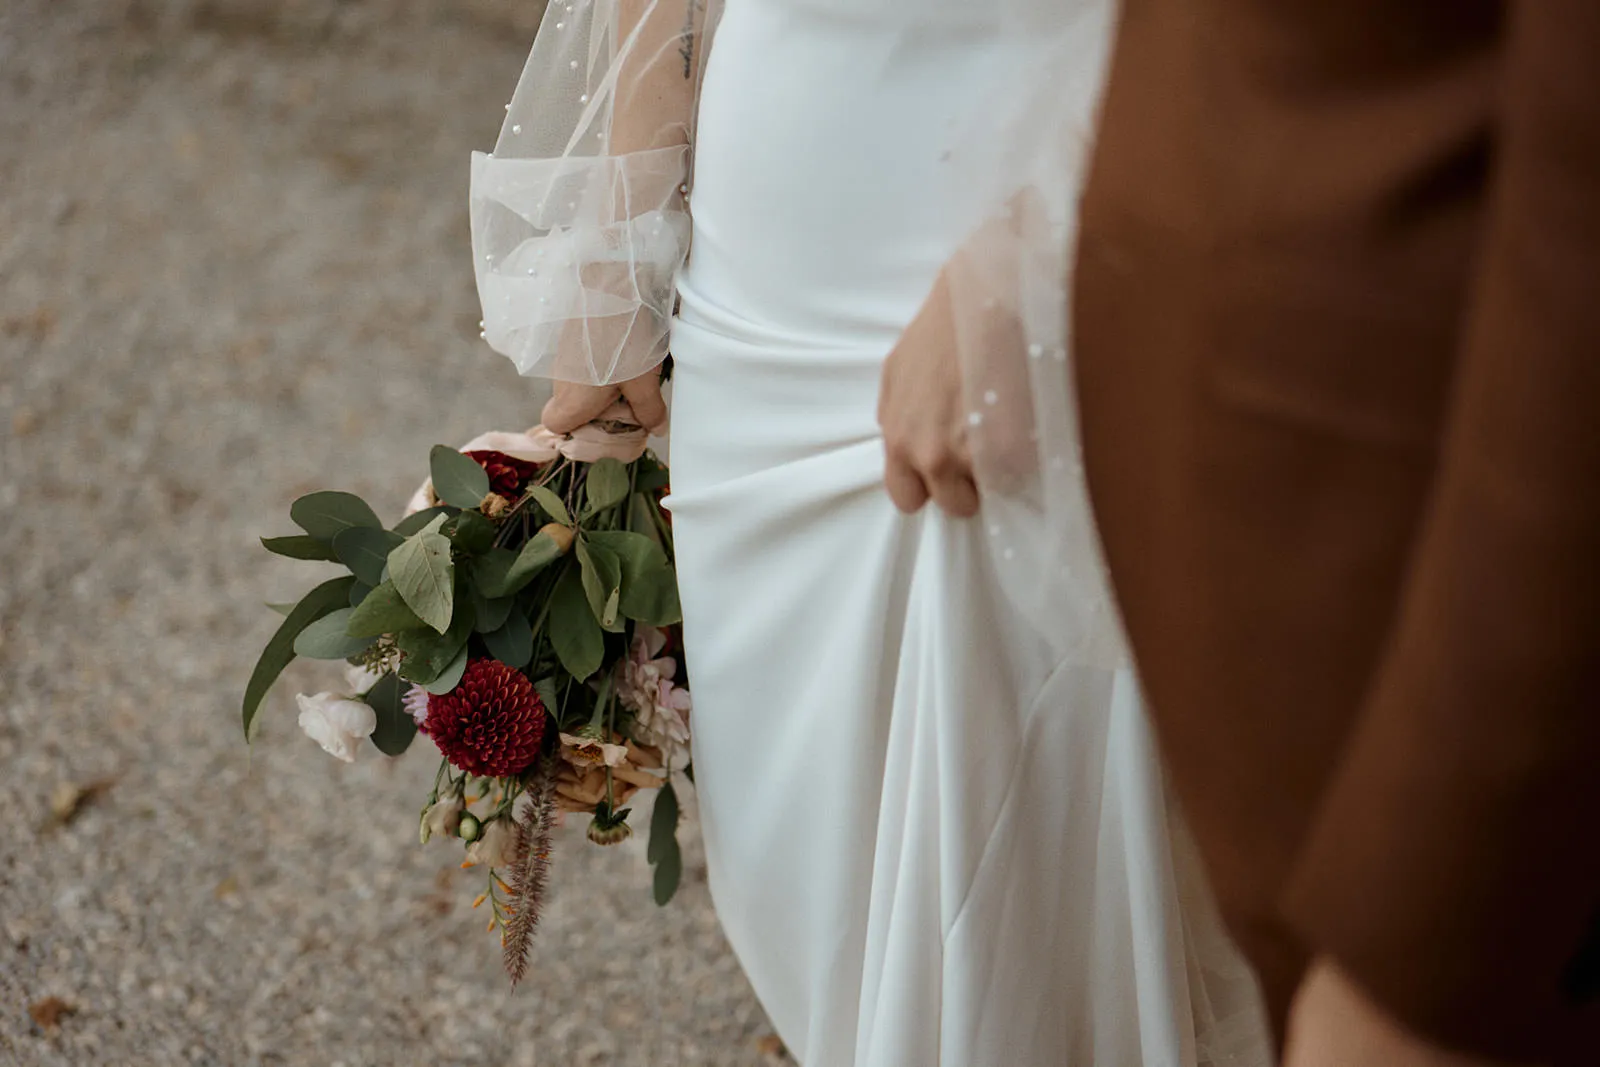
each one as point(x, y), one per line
point(1457, 851)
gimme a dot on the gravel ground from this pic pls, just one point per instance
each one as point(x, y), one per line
point(233, 268)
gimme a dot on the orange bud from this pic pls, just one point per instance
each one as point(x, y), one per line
point(561, 535)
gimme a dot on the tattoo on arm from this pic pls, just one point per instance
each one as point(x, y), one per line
point(686, 37)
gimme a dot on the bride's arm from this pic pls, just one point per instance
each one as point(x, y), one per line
point(655, 102)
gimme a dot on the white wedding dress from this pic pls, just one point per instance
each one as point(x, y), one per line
point(935, 821)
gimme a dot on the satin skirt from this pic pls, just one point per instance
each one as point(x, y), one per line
point(928, 843)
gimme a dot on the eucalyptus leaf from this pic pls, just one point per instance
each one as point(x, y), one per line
point(651, 477)
point(663, 823)
point(575, 633)
point(384, 611)
point(551, 504)
point(327, 638)
point(512, 643)
point(281, 609)
point(396, 728)
point(470, 532)
point(457, 478)
point(606, 486)
point(450, 677)
point(419, 520)
point(636, 552)
point(299, 546)
point(669, 872)
point(323, 515)
point(652, 598)
point(365, 550)
point(426, 655)
point(421, 568)
point(359, 592)
point(504, 573)
point(490, 613)
point(640, 519)
point(602, 577)
point(327, 597)
point(546, 688)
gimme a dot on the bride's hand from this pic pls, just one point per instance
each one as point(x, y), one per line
point(574, 404)
point(920, 410)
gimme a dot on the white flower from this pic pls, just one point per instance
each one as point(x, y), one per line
point(442, 818)
point(361, 679)
point(338, 723)
point(498, 845)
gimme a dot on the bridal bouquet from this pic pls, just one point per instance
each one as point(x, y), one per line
point(523, 616)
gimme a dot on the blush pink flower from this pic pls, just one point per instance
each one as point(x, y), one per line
point(646, 684)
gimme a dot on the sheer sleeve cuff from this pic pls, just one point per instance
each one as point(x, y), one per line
point(576, 260)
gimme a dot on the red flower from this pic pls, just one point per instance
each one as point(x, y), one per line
point(491, 724)
point(508, 475)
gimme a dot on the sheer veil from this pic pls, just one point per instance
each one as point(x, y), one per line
point(577, 246)
point(577, 240)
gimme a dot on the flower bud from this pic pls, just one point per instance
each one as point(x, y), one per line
point(443, 817)
point(561, 535)
point(494, 506)
point(498, 845)
point(468, 827)
point(609, 833)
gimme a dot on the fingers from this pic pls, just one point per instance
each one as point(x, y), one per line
point(905, 485)
point(957, 495)
point(643, 395)
point(945, 478)
point(574, 405)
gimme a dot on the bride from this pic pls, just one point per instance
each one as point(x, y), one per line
point(936, 829)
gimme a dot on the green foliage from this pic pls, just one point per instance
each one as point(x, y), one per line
point(421, 519)
point(299, 546)
point(552, 505)
point(323, 515)
point(606, 486)
point(501, 572)
point(490, 613)
point(602, 582)
point(457, 478)
point(424, 573)
point(365, 550)
point(327, 638)
point(470, 532)
point(429, 654)
point(575, 633)
point(383, 611)
point(663, 851)
point(450, 677)
point(328, 597)
point(396, 728)
point(511, 643)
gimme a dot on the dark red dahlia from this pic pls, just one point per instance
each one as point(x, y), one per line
point(491, 724)
point(508, 475)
